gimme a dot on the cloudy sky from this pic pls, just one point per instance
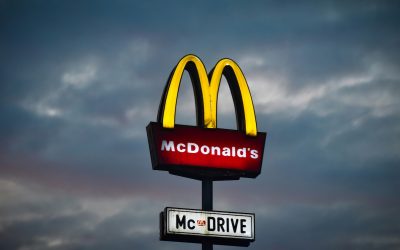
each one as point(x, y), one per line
point(80, 80)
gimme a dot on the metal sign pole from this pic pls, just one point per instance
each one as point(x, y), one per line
point(207, 205)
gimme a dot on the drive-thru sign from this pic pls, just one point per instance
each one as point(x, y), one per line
point(207, 153)
point(180, 222)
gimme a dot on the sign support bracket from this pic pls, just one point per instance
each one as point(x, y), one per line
point(207, 205)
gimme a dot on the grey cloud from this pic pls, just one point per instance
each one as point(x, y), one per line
point(327, 230)
point(46, 221)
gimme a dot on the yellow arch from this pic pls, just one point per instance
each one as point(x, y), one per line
point(209, 93)
point(168, 118)
point(246, 100)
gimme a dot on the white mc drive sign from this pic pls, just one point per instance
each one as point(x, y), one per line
point(191, 222)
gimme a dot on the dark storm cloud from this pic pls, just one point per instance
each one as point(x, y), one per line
point(333, 227)
point(80, 81)
point(35, 219)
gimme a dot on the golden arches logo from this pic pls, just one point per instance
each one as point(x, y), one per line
point(206, 89)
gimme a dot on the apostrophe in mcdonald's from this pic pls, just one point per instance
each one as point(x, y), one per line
point(205, 151)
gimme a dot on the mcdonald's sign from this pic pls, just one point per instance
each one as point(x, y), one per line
point(205, 151)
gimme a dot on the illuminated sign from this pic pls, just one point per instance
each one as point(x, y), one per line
point(205, 151)
point(191, 225)
point(220, 153)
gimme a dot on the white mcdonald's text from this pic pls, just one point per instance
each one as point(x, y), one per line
point(194, 148)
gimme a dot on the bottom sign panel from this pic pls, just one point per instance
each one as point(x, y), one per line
point(189, 225)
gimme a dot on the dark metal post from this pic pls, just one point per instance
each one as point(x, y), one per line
point(207, 195)
point(207, 205)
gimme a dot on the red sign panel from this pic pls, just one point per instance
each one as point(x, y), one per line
point(218, 153)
